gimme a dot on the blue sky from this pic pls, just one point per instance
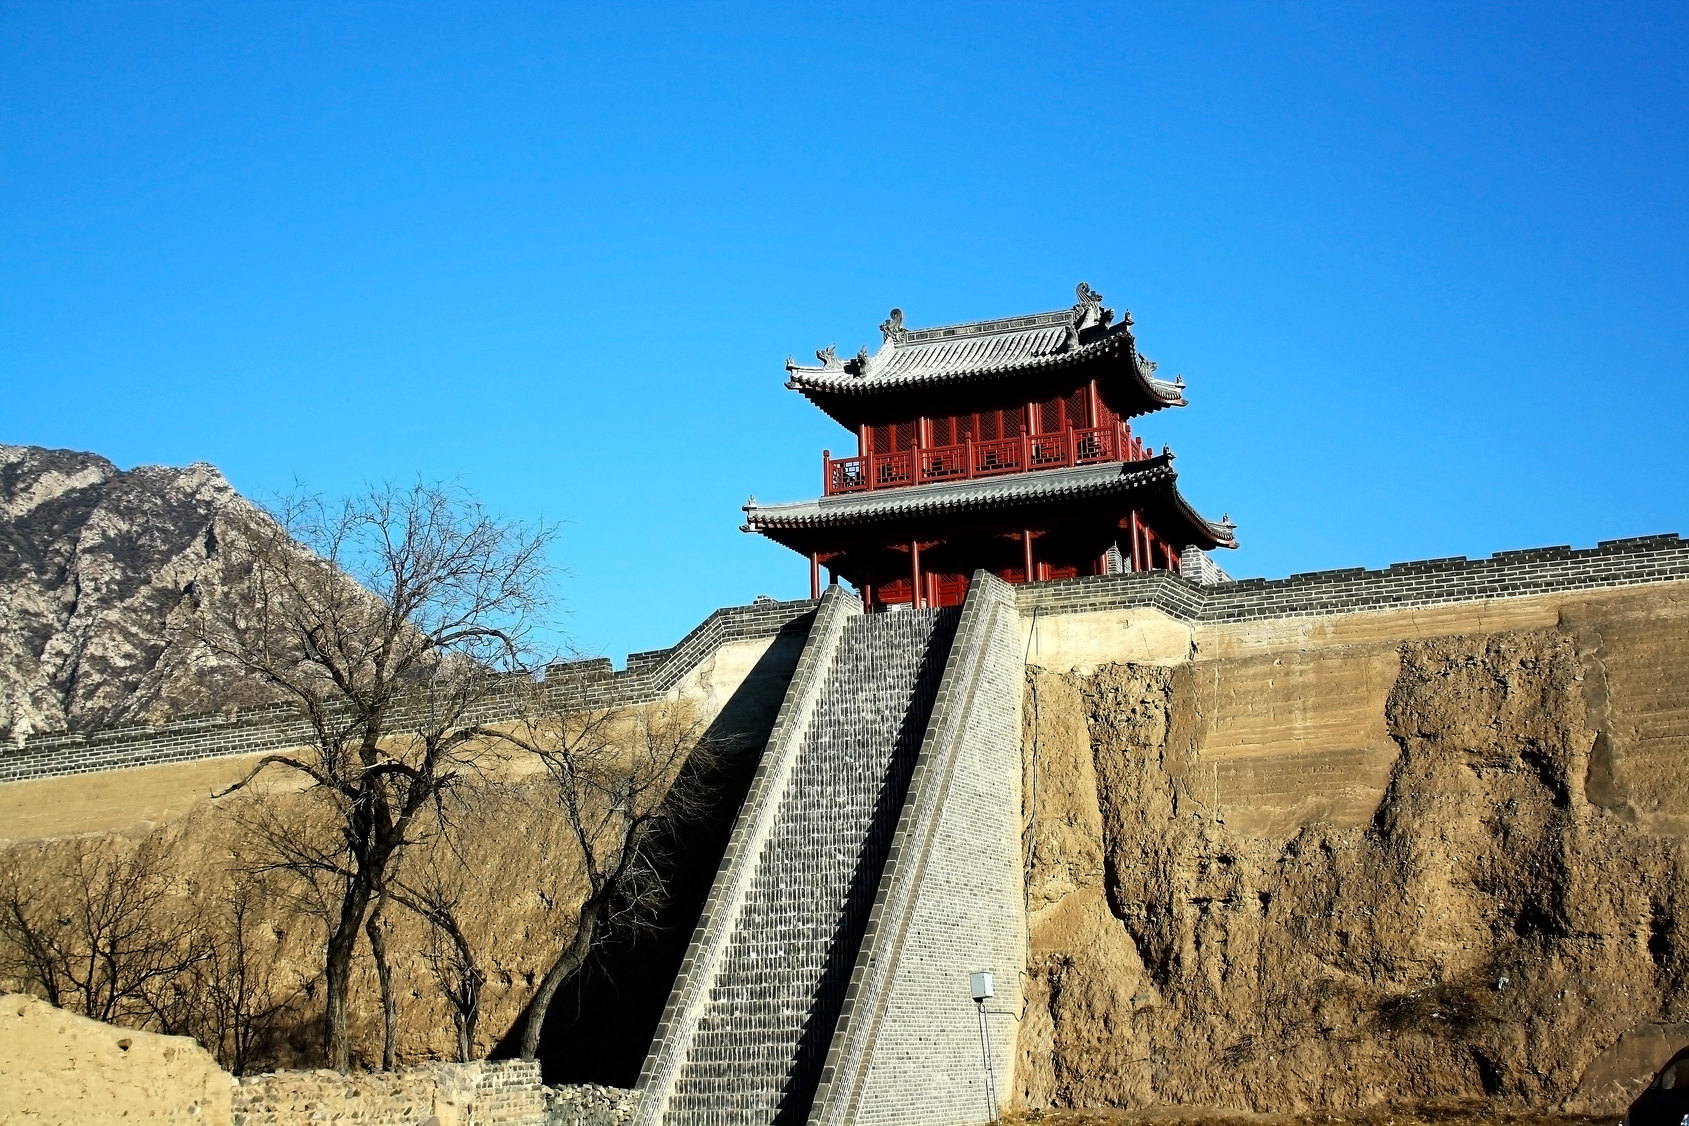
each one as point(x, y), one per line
point(1423, 266)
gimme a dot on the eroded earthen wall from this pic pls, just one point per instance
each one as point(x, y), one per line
point(1366, 857)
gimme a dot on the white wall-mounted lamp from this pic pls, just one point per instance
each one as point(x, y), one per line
point(980, 987)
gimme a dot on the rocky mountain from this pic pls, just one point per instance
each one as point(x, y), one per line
point(95, 566)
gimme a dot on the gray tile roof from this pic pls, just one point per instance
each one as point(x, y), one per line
point(992, 492)
point(981, 349)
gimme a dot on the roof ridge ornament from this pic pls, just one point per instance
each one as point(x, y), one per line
point(892, 328)
point(1088, 313)
point(859, 365)
point(829, 357)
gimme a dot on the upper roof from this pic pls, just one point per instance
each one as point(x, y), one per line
point(912, 361)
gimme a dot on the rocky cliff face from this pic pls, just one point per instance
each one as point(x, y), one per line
point(95, 564)
point(1500, 928)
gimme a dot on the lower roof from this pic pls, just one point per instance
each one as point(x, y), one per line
point(814, 524)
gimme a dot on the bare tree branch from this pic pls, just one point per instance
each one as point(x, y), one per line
point(406, 612)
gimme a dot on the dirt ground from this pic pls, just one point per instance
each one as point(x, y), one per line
point(1434, 1114)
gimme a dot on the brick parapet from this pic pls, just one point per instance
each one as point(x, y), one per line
point(590, 683)
point(1427, 582)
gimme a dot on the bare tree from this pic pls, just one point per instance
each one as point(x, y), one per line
point(240, 991)
point(408, 615)
point(91, 926)
point(436, 898)
point(616, 778)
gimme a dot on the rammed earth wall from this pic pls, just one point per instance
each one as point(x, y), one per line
point(592, 683)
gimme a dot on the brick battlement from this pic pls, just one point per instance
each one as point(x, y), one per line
point(1425, 582)
point(588, 684)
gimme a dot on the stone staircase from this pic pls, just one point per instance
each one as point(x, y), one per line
point(754, 1055)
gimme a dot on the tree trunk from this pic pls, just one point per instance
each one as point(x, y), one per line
point(567, 963)
point(466, 1032)
point(384, 975)
point(337, 976)
point(468, 1002)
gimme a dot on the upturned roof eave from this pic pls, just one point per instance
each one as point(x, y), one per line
point(846, 398)
point(814, 380)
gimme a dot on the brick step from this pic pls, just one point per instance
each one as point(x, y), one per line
point(756, 1054)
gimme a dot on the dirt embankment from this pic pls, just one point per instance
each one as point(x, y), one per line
point(1491, 933)
point(59, 1067)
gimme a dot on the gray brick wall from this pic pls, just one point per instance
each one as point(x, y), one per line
point(586, 683)
point(950, 902)
point(1429, 582)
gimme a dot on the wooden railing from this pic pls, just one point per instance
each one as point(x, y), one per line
point(979, 459)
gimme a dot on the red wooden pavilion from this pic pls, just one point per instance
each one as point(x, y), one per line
point(1000, 444)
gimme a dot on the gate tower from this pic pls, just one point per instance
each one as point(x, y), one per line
point(1001, 445)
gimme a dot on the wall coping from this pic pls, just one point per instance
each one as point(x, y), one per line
point(1425, 582)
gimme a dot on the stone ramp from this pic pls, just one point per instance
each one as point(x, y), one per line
point(755, 1008)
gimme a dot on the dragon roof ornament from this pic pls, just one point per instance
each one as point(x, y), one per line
point(892, 330)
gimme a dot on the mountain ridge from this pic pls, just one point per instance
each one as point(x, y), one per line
point(97, 565)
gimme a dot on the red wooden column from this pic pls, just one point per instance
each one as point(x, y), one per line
point(1137, 546)
point(815, 574)
point(1091, 402)
point(915, 600)
point(1026, 543)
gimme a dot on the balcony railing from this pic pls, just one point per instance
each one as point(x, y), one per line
point(979, 459)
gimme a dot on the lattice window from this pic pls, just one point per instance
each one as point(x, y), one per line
point(1077, 416)
point(1013, 418)
point(882, 439)
point(987, 426)
point(1049, 416)
point(944, 431)
point(903, 436)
